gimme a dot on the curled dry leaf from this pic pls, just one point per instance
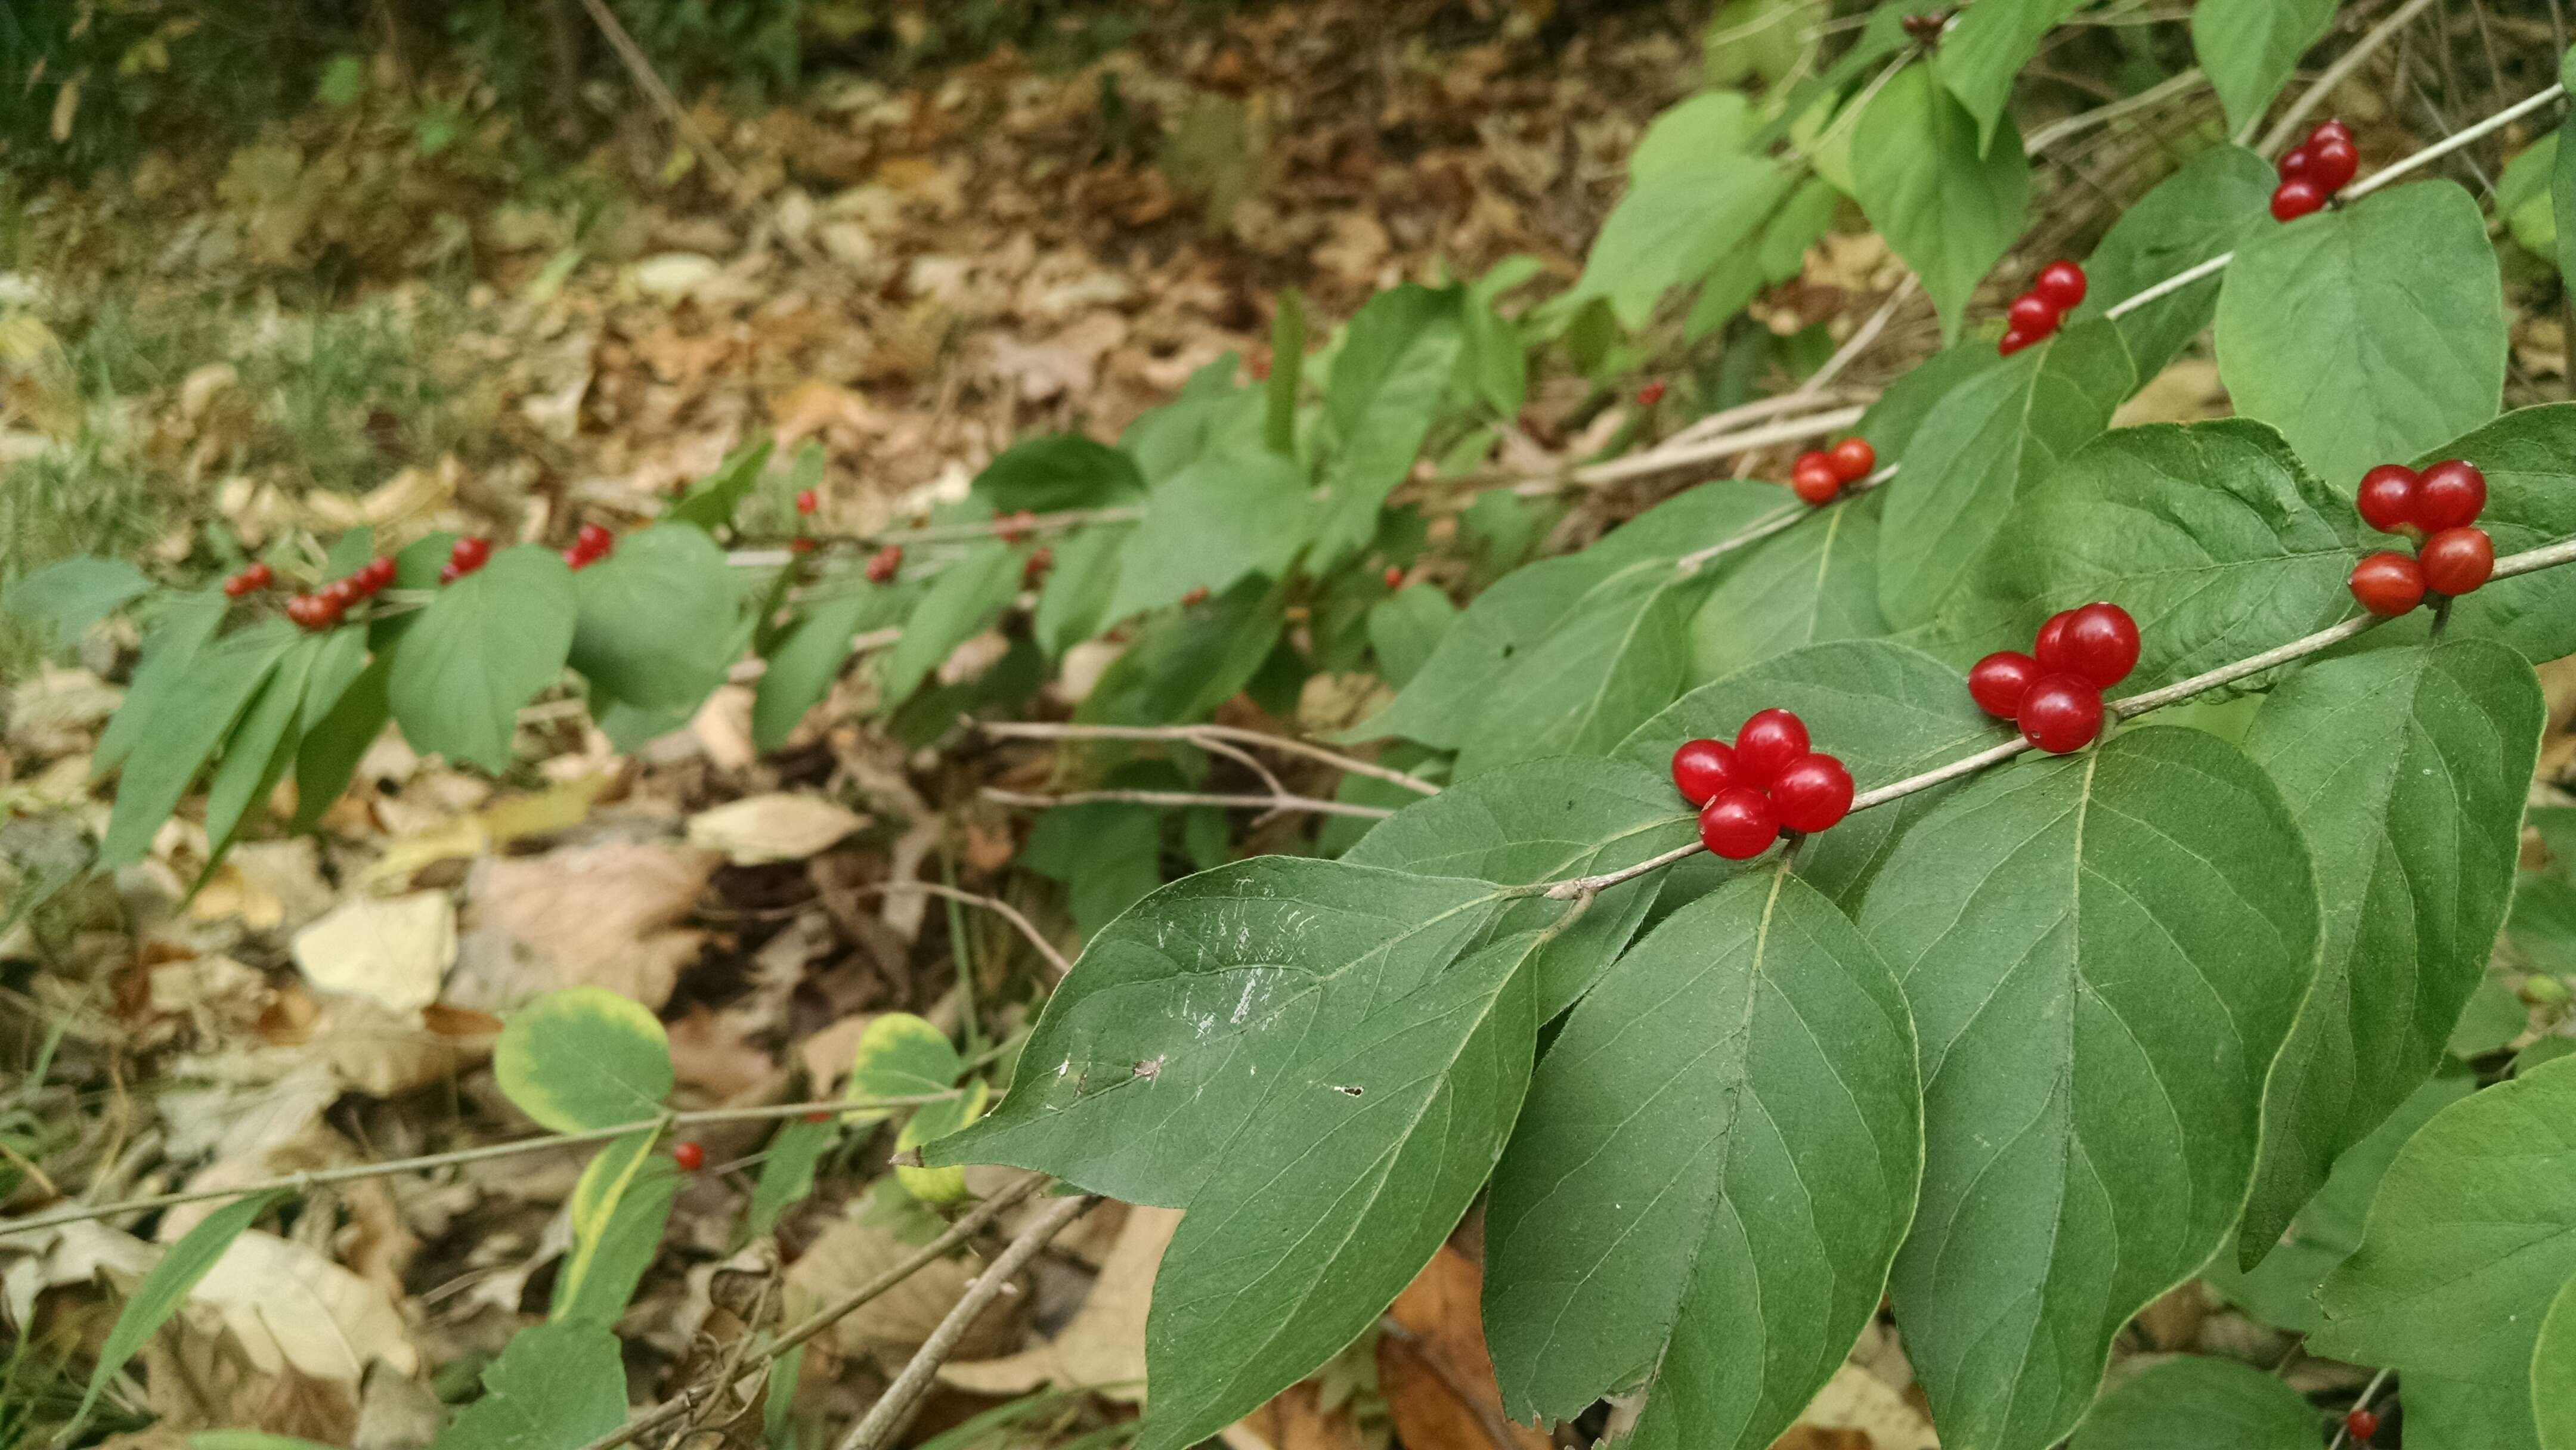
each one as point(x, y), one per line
point(71, 1254)
point(289, 1307)
point(780, 826)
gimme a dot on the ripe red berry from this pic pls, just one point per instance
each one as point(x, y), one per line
point(2101, 644)
point(800, 545)
point(1649, 395)
point(1813, 793)
point(259, 575)
point(1815, 480)
point(2049, 645)
point(238, 585)
point(1998, 682)
point(2033, 314)
point(375, 574)
point(2060, 713)
point(1766, 745)
point(304, 611)
point(2450, 493)
point(340, 593)
point(2386, 498)
point(2013, 341)
point(1040, 561)
point(1702, 768)
point(819, 1115)
point(2361, 1424)
point(1196, 597)
point(885, 563)
point(594, 540)
point(2294, 163)
point(2387, 583)
point(2292, 200)
point(2062, 283)
point(2331, 164)
point(806, 503)
point(469, 553)
point(1739, 824)
point(1394, 576)
point(1854, 459)
point(2457, 561)
point(448, 573)
point(690, 1156)
point(2330, 128)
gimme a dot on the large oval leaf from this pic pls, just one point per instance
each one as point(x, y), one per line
point(1718, 1158)
point(1231, 514)
point(584, 1058)
point(485, 645)
point(2189, 1402)
point(1947, 203)
point(1986, 47)
point(2104, 952)
point(2208, 207)
point(2249, 47)
point(1814, 582)
point(656, 619)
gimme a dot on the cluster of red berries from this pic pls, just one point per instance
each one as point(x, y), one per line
point(1767, 781)
point(885, 563)
point(2438, 509)
point(249, 581)
point(464, 557)
point(1820, 474)
point(2314, 171)
point(1649, 395)
point(589, 546)
point(322, 608)
point(2036, 313)
point(2054, 693)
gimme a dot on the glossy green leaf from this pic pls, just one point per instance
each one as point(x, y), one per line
point(2406, 769)
point(2103, 952)
point(1992, 439)
point(1224, 518)
point(555, 1385)
point(2247, 48)
point(1373, 1140)
point(711, 504)
point(1946, 202)
point(1717, 1161)
point(2470, 1237)
point(1986, 47)
point(165, 1288)
point(807, 659)
point(584, 1058)
point(2192, 1403)
point(484, 647)
point(1545, 820)
point(2368, 333)
point(654, 621)
point(1694, 194)
point(183, 718)
point(965, 598)
point(1817, 581)
point(1183, 1014)
point(899, 1056)
point(63, 599)
point(2210, 206)
point(2553, 1373)
point(1064, 471)
point(1396, 358)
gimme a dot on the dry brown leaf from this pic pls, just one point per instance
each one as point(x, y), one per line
point(1437, 1375)
point(780, 826)
point(384, 1054)
point(604, 915)
point(1855, 1399)
point(1103, 1346)
point(894, 1324)
point(393, 951)
point(709, 1050)
point(1293, 1421)
point(71, 1254)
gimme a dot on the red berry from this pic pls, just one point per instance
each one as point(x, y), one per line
point(819, 1115)
point(2013, 341)
point(2033, 314)
point(1702, 768)
point(1649, 395)
point(2049, 645)
point(340, 593)
point(1196, 597)
point(2062, 283)
point(884, 563)
point(1813, 793)
point(594, 540)
point(303, 611)
point(1010, 528)
point(2330, 130)
point(1853, 459)
point(375, 575)
point(2331, 164)
point(2386, 498)
point(1998, 682)
point(448, 573)
point(238, 585)
point(1816, 481)
point(2294, 164)
point(2101, 644)
point(1394, 576)
point(2387, 583)
point(2451, 493)
point(2457, 561)
point(2361, 1424)
point(1739, 824)
point(800, 545)
point(259, 575)
point(1816, 459)
point(1040, 561)
point(469, 553)
point(806, 503)
point(1766, 745)
point(690, 1156)
point(2060, 713)
point(2295, 199)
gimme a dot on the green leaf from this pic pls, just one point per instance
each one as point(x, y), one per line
point(1184, 664)
point(2553, 1373)
point(1807, 215)
point(1948, 202)
point(1817, 581)
point(2492, 1018)
point(1717, 1161)
point(787, 1174)
point(1405, 629)
point(2470, 1237)
point(1396, 359)
point(484, 647)
point(2562, 184)
point(2367, 333)
point(583, 1058)
point(899, 1056)
point(1892, 422)
point(555, 1385)
point(263, 744)
point(807, 659)
point(2406, 769)
point(1447, 696)
point(63, 599)
point(1694, 195)
point(1987, 46)
point(2208, 207)
point(1545, 820)
point(1108, 854)
point(2211, 534)
point(710, 506)
point(1065, 471)
point(966, 596)
point(183, 722)
point(1287, 373)
point(181, 630)
point(1183, 1014)
point(1990, 440)
point(1210, 412)
point(618, 1210)
point(2104, 952)
point(1224, 518)
point(928, 1124)
point(2247, 48)
point(334, 742)
point(2189, 1402)
point(1074, 602)
point(2522, 198)
point(1374, 1139)
point(165, 1288)
point(655, 620)
point(1492, 363)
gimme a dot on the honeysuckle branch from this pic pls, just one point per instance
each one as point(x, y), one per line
point(324, 1177)
point(960, 533)
point(1203, 735)
point(2529, 561)
point(1662, 460)
point(894, 1409)
point(1777, 523)
point(1269, 804)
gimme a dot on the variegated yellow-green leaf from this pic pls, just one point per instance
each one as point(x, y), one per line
point(584, 1058)
point(899, 1056)
point(928, 1123)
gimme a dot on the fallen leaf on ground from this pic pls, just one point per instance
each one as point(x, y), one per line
point(1855, 1399)
point(393, 951)
point(290, 1307)
point(1434, 1369)
point(1103, 1346)
point(604, 915)
point(781, 826)
point(894, 1324)
point(1293, 1420)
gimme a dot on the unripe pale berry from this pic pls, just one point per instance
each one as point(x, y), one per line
point(1766, 745)
point(1999, 680)
point(1813, 793)
point(2457, 561)
point(2386, 498)
point(1702, 768)
point(2061, 713)
point(1739, 824)
point(2449, 495)
point(2387, 583)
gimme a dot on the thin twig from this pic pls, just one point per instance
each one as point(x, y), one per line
point(640, 66)
point(1200, 734)
point(894, 1409)
point(1780, 522)
point(2056, 131)
point(1273, 803)
point(2453, 142)
point(1057, 522)
point(1637, 465)
point(2344, 65)
point(994, 904)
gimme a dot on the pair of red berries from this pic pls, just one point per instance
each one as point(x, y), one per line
point(2438, 509)
point(464, 557)
point(2054, 693)
point(1768, 780)
point(2036, 313)
point(1649, 395)
point(885, 563)
point(249, 581)
point(2314, 171)
point(322, 609)
point(1820, 474)
point(589, 546)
